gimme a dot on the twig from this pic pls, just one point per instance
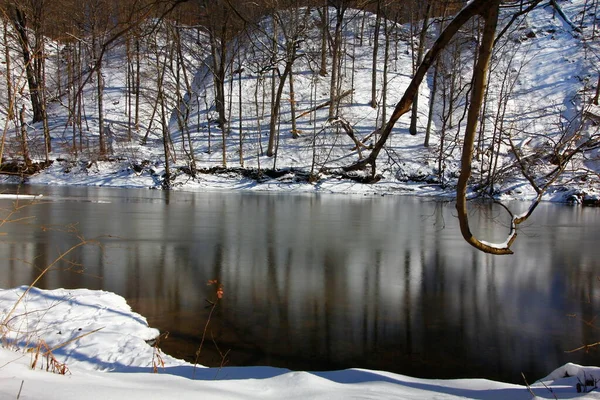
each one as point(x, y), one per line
point(11, 361)
point(585, 346)
point(550, 390)
point(203, 337)
point(527, 385)
point(20, 388)
point(223, 356)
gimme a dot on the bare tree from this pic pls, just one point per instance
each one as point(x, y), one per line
point(422, 39)
point(375, 63)
point(292, 28)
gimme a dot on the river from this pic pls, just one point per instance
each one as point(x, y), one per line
point(317, 282)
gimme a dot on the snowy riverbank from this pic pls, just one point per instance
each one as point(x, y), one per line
point(122, 174)
point(112, 359)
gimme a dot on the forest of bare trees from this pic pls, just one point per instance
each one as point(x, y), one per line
point(235, 79)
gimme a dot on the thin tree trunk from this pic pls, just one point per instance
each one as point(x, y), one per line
point(422, 39)
point(129, 84)
point(295, 133)
point(335, 62)
point(166, 184)
point(432, 95)
point(386, 56)
point(597, 91)
point(71, 99)
point(324, 34)
point(41, 78)
point(274, 97)
point(240, 116)
point(375, 57)
point(24, 143)
point(290, 56)
point(79, 96)
point(10, 112)
point(100, 96)
point(100, 88)
point(219, 53)
point(137, 83)
point(188, 88)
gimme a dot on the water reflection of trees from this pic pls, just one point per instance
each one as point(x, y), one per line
point(318, 282)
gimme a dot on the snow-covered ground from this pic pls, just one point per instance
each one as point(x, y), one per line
point(107, 355)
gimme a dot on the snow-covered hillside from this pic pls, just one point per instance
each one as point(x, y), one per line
point(539, 101)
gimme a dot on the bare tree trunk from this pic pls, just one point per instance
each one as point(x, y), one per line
point(324, 34)
point(336, 59)
point(295, 134)
point(477, 92)
point(240, 113)
point(183, 107)
point(166, 183)
point(59, 78)
point(79, 96)
point(432, 95)
point(47, 137)
point(313, 99)
point(42, 87)
point(100, 88)
point(20, 23)
point(165, 133)
point(422, 39)
point(386, 56)
point(137, 83)
point(219, 53)
point(129, 87)
point(375, 57)
point(70, 50)
point(290, 56)
point(259, 115)
point(10, 107)
point(24, 143)
point(100, 95)
point(596, 3)
point(597, 91)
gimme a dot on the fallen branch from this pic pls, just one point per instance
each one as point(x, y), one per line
point(562, 14)
point(350, 132)
point(327, 103)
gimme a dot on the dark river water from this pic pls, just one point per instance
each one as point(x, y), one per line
point(317, 282)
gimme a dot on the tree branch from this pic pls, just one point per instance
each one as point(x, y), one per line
point(476, 7)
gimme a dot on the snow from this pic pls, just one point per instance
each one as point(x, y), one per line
point(114, 361)
point(104, 344)
point(19, 196)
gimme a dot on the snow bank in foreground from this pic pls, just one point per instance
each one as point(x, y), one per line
point(59, 316)
point(112, 337)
